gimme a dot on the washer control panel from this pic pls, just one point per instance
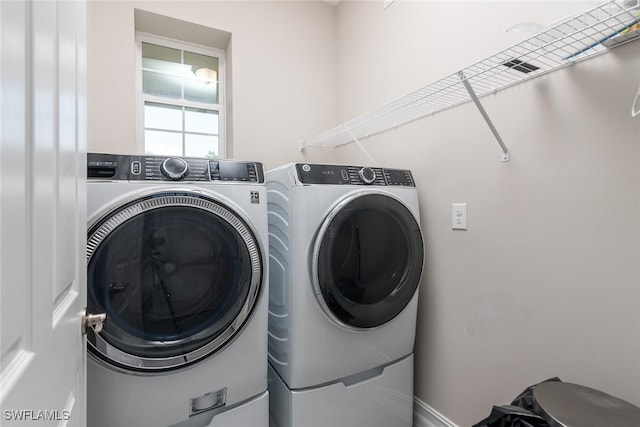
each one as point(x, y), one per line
point(310, 173)
point(155, 168)
point(152, 168)
point(231, 170)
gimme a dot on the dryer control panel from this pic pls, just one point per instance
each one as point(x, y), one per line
point(155, 168)
point(310, 173)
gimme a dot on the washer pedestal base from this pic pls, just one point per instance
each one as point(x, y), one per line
point(381, 401)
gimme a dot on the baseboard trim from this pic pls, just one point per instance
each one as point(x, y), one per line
point(425, 416)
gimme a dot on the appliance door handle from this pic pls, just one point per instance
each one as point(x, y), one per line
point(95, 321)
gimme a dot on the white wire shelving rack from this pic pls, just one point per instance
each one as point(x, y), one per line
point(577, 38)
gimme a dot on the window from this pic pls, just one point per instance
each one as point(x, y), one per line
point(181, 108)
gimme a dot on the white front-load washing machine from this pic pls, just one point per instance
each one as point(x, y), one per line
point(346, 258)
point(176, 258)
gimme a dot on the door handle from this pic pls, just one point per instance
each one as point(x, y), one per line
point(95, 321)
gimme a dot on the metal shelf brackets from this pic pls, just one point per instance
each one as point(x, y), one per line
point(635, 106)
point(585, 35)
point(476, 101)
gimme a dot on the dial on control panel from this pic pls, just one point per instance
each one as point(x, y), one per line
point(174, 168)
point(368, 175)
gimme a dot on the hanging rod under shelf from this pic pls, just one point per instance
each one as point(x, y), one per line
point(574, 39)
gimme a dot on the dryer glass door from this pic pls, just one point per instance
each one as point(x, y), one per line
point(368, 260)
point(177, 275)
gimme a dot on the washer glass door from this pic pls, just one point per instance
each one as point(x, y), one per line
point(177, 274)
point(368, 260)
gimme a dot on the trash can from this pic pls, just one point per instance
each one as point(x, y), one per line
point(554, 403)
point(571, 405)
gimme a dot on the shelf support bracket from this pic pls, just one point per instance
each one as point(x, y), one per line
point(476, 101)
point(361, 147)
point(635, 112)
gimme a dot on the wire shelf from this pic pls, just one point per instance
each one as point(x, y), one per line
point(574, 39)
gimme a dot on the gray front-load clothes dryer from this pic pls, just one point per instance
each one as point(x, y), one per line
point(346, 258)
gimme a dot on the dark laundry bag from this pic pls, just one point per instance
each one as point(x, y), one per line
point(512, 416)
point(520, 413)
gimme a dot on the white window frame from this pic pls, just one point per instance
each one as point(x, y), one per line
point(142, 97)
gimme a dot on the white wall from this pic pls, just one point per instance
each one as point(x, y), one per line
point(546, 281)
point(283, 65)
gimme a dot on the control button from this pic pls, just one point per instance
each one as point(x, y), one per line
point(306, 168)
point(174, 168)
point(367, 175)
point(345, 175)
point(136, 167)
point(214, 170)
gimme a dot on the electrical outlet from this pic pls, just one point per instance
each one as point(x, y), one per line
point(459, 216)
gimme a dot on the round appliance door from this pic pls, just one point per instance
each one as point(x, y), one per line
point(368, 260)
point(177, 274)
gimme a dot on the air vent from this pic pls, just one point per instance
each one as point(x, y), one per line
point(518, 65)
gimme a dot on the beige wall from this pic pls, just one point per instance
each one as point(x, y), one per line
point(283, 65)
point(546, 281)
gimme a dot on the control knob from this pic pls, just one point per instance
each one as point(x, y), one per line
point(367, 174)
point(174, 168)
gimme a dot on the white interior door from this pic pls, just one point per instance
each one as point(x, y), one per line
point(42, 212)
